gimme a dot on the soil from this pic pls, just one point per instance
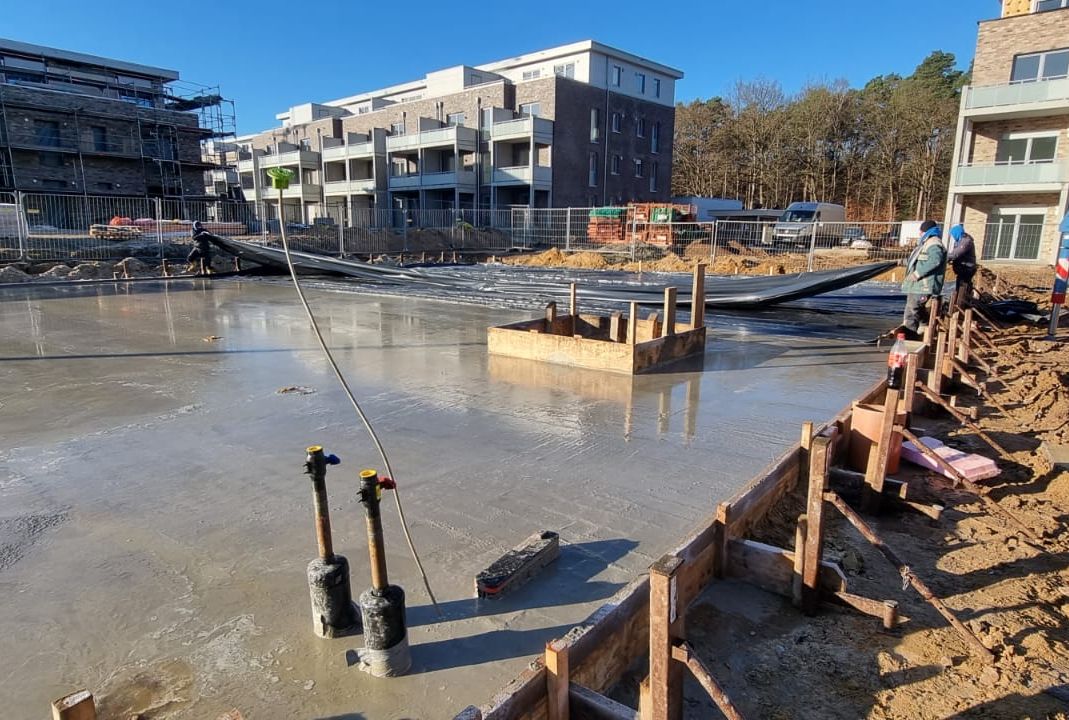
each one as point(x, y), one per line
point(775, 663)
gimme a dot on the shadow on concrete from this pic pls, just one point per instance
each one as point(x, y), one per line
point(492, 646)
point(568, 581)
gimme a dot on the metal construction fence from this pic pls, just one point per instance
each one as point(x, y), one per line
point(38, 226)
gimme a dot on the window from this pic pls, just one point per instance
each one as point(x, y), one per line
point(50, 159)
point(567, 70)
point(653, 177)
point(656, 87)
point(639, 168)
point(617, 160)
point(640, 127)
point(1040, 66)
point(532, 74)
point(1026, 150)
point(454, 119)
point(655, 138)
point(617, 121)
point(592, 170)
point(640, 83)
point(595, 125)
point(531, 109)
point(1045, 5)
point(46, 132)
point(1013, 234)
point(617, 75)
point(397, 128)
point(100, 138)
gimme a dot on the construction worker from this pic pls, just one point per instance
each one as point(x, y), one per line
point(925, 271)
point(962, 258)
point(200, 257)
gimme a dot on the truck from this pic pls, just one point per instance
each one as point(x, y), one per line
point(802, 220)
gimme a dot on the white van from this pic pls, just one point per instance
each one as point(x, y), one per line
point(800, 220)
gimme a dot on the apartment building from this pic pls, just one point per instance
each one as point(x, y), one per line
point(1010, 183)
point(577, 125)
point(72, 123)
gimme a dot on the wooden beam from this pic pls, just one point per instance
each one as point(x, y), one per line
point(935, 377)
point(76, 706)
point(772, 568)
point(589, 705)
point(854, 481)
point(933, 322)
point(951, 348)
point(573, 302)
point(616, 327)
point(801, 530)
point(965, 346)
point(551, 315)
point(685, 654)
point(814, 541)
point(557, 705)
point(720, 540)
point(876, 471)
point(632, 324)
point(697, 297)
point(885, 610)
point(666, 629)
point(803, 457)
point(909, 384)
point(669, 327)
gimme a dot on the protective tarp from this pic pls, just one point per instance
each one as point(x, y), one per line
point(720, 292)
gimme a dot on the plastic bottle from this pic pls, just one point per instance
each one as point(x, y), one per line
point(896, 362)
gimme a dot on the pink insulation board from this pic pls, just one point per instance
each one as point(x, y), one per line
point(971, 466)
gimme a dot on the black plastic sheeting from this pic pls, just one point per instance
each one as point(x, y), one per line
point(739, 292)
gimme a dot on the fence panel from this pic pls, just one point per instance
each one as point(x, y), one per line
point(88, 227)
point(12, 228)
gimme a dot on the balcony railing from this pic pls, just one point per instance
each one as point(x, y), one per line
point(433, 180)
point(1054, 91)
point(454, 134)
point(522, 128)
point(303, 158)
point(306, 191)
point(1046, 173)
point(349, 187)
point(523, 175)
point(341, 152)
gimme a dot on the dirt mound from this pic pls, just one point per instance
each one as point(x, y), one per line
point(586, 261)
point(56, 272)
point(87, 271)
point(1025, 284)
point(550, 258)
point(11, 274)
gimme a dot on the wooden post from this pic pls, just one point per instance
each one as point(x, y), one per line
point(666, 629)
point(551, 315)
point(876, 471)
point(76, 706)
point(800, 532)
point(965, 348)
point(669, 327)
point(573, 309)
point(655, 325)
point(557, 680)
point(805, 444)
point(935, 377)
point(909, 389)
point(720, 540)
point(685, 654)
point(951, 349)
point(890, 614)
point(632, 324)
point(933, 322)
point(615, 327)
point(814, 510)
point(697, 297)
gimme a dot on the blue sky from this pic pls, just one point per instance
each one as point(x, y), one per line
point(324, 54)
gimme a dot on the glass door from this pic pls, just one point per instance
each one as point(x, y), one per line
point(1013, 235)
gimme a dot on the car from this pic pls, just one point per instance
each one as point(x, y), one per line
point(853, 235)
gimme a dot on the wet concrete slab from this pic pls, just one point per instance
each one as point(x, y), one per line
point(155, 524)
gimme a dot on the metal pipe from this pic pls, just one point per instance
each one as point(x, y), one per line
point(316, 466)
point(370, 494)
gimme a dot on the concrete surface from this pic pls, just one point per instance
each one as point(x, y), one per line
point(155, 525)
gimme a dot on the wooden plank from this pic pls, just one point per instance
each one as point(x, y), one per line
point(697, 294)
point(909, 384)
point(632, 324)
point(522, 698)
point(965, 347)
point(771, 568)
point(616, 327)
point(801, 530)
point(935, 377)
point(876, 472)
point(551, 315)
point(76, 706)
point(589, 705)
point(933, 322)
point(803, 457)
point(685, 654)
point(666, 629)
point(612, 638)
point(557, 703)
point(885, 610)
point(669, 327)
point(814, 541)
point(951, 350)
point(753, 501)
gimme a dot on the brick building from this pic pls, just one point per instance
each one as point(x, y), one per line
point(577, 125)
point(72, 123)
point(1010, 183)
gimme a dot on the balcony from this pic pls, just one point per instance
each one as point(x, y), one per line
point(1031, 177)
point(301, 158)
point(523, 175)
point(307, 191)
point(1012, 100)
point(433, 181)
point(344, 152)
point(463, 137)
point(350, 187)
point(245, 165)
point(522, 129)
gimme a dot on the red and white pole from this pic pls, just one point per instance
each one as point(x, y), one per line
point(1061, 278)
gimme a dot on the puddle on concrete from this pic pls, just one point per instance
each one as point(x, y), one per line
point(175, 583)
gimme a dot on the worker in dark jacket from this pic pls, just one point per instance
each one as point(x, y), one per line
point(200, 257)
point(925, 271)
point(962, 258)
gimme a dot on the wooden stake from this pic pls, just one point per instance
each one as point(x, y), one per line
point(697, 297)
point(669, 327)
point(951, 349)
point(909, 382)
point(632, 324)
point(76, 706)
point(685, 654)
point(935, 377)
point(800, 532)
point(957, 414)
point(804, 445)
point(965, 348)
point(720, 540)
point(666, 629)
point(615, 327)
point(572, 301)
point(933, 322)
point(551, 315)
point(908, 577)
point(557, 680)
point(814, 510)
point(876, 471)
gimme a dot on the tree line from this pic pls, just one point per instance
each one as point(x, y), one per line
point(882, 151)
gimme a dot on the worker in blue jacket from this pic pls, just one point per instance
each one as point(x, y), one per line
point(925, 271)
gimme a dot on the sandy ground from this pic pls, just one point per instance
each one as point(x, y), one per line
point(155, 525)
point(777, 664)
